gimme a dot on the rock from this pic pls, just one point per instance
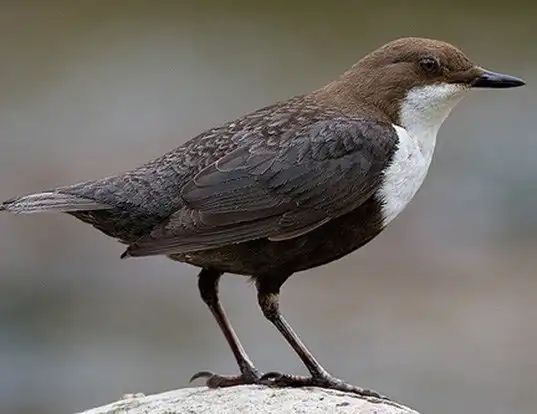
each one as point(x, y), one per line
point(249, 399)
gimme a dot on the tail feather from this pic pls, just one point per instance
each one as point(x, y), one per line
point(50, 201)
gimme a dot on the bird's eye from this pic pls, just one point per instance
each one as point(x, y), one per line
point(430, 65)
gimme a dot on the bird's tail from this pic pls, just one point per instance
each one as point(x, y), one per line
point(50, 201)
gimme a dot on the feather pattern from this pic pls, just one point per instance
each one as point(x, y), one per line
point(278, 188)
point(50, 201)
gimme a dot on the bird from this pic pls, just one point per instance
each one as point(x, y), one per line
point(286, 188)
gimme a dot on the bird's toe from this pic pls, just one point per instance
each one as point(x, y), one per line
point(213, 380)
point(277, 379)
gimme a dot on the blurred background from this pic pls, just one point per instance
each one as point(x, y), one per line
point(91, 88)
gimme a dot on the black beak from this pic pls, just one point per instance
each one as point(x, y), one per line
point(495, 80)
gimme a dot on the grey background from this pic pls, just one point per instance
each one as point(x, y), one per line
point(439, 311)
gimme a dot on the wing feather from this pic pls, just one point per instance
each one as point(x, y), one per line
point(277, 189)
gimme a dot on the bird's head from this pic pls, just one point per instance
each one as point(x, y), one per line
point(415, 81)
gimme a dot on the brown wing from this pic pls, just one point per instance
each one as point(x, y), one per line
point(277, 189)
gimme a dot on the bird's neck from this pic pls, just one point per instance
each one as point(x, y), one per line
point(422, 116)
point(420, 111)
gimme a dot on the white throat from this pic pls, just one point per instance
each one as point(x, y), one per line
point(425, 108)
point(422, 113)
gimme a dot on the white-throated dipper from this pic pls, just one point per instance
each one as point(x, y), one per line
point(292, 186)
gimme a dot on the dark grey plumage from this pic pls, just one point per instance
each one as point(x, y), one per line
point(276, 174)
point(277, 187)
point(50, 201)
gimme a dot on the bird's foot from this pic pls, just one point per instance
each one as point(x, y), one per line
point(248, 376)
point(326, 381)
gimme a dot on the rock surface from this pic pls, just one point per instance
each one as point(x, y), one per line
point(249, 399)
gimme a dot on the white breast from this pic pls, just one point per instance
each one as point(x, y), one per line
point(404, 176)
point(422, 113)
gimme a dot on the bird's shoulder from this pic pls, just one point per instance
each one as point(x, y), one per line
point(295, 131)
point(155, 186)
point(273, 125)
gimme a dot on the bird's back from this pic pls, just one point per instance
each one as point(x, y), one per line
point(135, 201)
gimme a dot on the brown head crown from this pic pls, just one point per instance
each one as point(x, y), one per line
point(428, 73)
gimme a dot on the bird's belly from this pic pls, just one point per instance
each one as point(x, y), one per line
point(403, 177)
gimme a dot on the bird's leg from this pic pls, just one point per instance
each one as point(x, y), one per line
point(208, 287)
point(268, 291)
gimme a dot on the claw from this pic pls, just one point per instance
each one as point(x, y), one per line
point(220, 381)
point(277, 379)
point(200, 374)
